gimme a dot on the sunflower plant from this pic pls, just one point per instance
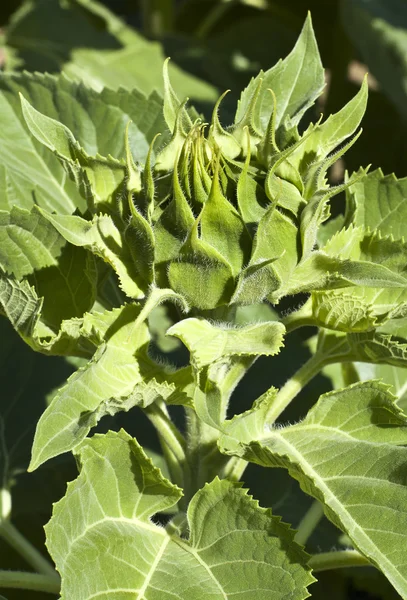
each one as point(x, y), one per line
point(140, 203)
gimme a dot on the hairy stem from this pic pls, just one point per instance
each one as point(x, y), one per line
point(17, 541)
point(234, 469)
point(337, 560)
point(29, 581)
point(299, 318)
point(294, 385)
point(173, 444)
point(308, 523)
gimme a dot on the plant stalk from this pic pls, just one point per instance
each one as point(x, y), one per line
point(234, 468)
point(299, 318)
point(29, 581)
point(173, 444)
point(17, 541)
point(294, 385)
point(309, 522)
point(338, 560)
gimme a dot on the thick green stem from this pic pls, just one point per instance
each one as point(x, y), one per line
point(17, 541)
point(308, 523)
point(29, 581)
point(173, 444)
point(337, 560)
point(158, 17)
point(234, 469)
point(294, 385)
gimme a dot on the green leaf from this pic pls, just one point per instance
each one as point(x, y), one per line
point(342, 311)
point(379, 203)
point(68, 288)
point(208, 343)
point(119, 364)
point(20, 304)
point(90, 116)
point(353, 258)
point(29, 173)
point(251, 198)
point(348, 453)
point(377, 348)
point(383, 254)
point(27, 242)
point(90, 43)
point(139, 237)
point(216, 385)
point(232, 542)
point(396, 377)
point(172, 105)
point(102, 237)
point(24, 309)
point(297, 82)
point(104, 176)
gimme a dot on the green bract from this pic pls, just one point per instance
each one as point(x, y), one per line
point(139, 228)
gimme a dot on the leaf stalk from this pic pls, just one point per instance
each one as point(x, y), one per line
point(172, 442)
point(16, 540)
point(29, 581)
point(337, 560)
point(309, 522)
point(295, 384)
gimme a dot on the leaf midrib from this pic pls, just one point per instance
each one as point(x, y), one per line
point(339, 510)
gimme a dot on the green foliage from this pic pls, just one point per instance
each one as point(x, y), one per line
point(157, 266)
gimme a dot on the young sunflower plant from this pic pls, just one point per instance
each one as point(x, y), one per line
point(208, 219)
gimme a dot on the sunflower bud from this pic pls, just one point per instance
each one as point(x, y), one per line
point(234, 213)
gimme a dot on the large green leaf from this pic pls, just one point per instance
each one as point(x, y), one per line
point(92, 116)
point(396, 377)
point(102, 237)
point(379, 203)
point(360, 307)
point(348, 453)
point(64, 277)
point(27, 242)
point(119, 364)
point(58, 293)
point(88, 42)
point(25, 311)
point(105, 544)
point(30, 173)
